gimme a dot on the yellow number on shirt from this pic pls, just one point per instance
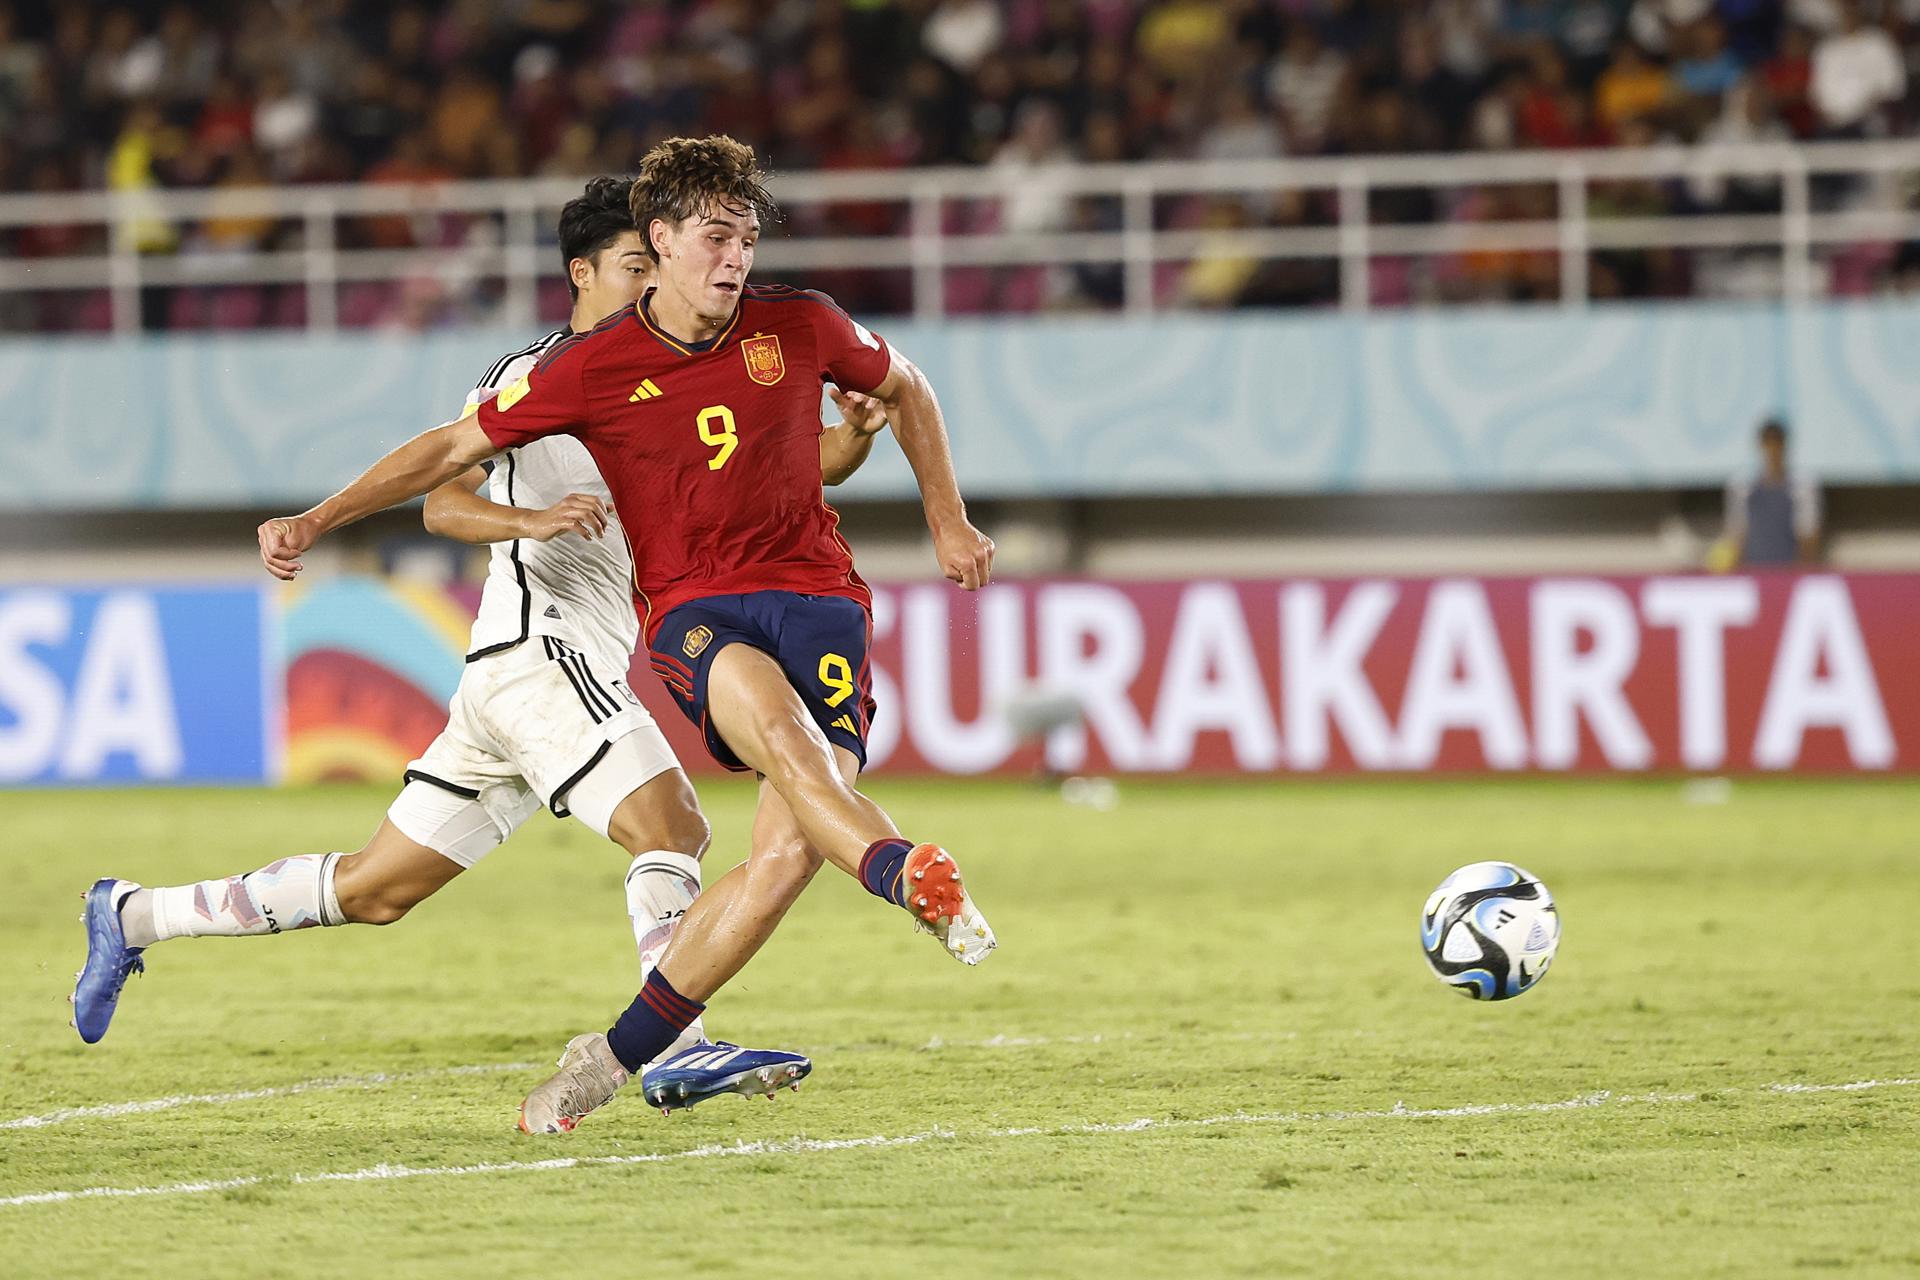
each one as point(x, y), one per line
point(716, 428)
point(837, 674)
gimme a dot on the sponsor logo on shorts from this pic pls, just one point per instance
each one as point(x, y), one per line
point(625, 692)
point(696, 642)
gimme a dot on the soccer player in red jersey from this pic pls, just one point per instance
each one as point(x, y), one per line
point(700, 405)
point(541, 713)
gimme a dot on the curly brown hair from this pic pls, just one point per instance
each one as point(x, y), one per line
point(682, 178)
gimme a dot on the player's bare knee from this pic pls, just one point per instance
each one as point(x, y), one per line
point(786, 867)
point(683, 830)
point(664, 814)
point(798, 860)
point(796, 752)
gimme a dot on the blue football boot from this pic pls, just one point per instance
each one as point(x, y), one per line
point(96, 989)
point(710, 1068)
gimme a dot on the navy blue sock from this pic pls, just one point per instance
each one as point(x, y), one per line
point(653, 1021)
point(882, 869)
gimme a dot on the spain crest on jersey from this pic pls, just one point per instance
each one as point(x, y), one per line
point(765, 365)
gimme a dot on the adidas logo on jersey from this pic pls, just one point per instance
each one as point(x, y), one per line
point(645, 391)
point(846, 722)
point(553, 613)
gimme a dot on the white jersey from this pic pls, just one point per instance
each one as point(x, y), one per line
point(569, 588)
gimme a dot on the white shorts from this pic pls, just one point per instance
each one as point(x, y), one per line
point(528, 725)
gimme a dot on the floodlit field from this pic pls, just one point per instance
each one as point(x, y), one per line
point(1208, 1046)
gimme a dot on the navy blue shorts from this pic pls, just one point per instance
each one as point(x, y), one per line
point(821, 643)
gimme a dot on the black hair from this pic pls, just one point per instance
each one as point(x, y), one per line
point(592, 221)
point(1773, 429)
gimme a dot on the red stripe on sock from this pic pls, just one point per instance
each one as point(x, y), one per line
point(668, 1003)
point(867, 858)
point(659, 1006)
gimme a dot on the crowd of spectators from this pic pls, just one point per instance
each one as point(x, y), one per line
point(95, 93)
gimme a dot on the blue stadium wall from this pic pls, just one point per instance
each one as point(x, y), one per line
point(1610, 396)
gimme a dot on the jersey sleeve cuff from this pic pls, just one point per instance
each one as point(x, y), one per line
point(498, 433)
point(883, 362)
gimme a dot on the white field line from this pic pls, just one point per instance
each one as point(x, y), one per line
point(804, 1146)
point(373, 1080)
point(377, 1079)
point(1036, 1042)
point(1852, 1087)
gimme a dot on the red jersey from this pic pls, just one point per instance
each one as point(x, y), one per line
point(711, 451)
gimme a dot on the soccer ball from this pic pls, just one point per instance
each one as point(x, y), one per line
point(1490, 930)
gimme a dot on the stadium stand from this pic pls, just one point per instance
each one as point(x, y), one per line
point(230, 96)
point(234, 110)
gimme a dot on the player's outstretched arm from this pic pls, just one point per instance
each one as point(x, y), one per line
point(965, 554)
point(422, 463)
point(845, 445)
point(456, 510)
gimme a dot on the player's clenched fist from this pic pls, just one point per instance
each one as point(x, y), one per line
point(282, 541)
point(965, 555)
point(580, 513)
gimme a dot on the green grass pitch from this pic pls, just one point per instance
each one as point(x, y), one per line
point(1207, 1047)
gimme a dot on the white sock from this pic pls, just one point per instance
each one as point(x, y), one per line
point(661, 885)
point(292, 893)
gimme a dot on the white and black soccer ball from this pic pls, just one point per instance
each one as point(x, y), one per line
point(1490, 930)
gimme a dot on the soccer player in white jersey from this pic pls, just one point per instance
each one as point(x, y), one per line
point(543, 713)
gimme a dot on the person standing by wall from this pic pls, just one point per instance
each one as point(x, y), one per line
point(1773, 515)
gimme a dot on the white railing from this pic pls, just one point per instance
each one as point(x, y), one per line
point(510, 235)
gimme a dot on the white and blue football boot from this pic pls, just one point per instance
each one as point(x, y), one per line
point(711, 1068)
point(96, 988)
